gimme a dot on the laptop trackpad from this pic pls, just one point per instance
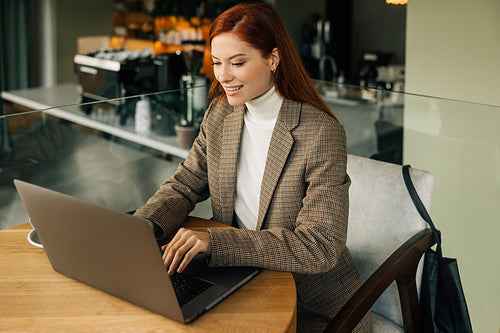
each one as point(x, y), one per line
point(226, 277)
point(225, 280)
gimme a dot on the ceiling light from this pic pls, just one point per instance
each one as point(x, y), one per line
point(396, 2)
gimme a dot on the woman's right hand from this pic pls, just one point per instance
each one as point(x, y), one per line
point(183, 247)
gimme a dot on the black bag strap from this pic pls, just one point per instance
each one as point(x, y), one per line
point(420, 206)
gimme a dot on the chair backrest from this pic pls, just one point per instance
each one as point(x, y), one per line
point(381, 218)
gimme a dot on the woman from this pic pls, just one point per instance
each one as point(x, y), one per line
point(272, 158)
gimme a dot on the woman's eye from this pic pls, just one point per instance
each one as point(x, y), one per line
point(235, 64)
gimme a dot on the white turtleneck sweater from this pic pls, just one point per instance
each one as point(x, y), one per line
point(259, 121)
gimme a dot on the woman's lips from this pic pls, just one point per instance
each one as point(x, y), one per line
point(232, 90)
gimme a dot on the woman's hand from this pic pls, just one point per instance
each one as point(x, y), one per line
point(183, 247)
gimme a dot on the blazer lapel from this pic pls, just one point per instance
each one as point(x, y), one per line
point(233, 125)
point(279, 148)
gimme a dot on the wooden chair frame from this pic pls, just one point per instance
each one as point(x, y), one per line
point(401, 266)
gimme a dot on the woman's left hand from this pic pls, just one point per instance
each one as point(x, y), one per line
point(183, 247)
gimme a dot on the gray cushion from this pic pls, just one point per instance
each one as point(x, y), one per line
point(384, 325)
point(381, 218)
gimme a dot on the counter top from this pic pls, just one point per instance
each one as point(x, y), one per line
point(62, 101)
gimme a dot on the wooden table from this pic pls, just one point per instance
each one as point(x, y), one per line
point(34, 298)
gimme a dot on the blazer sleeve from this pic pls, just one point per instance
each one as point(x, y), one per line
point(177, 196)
point(316, 241)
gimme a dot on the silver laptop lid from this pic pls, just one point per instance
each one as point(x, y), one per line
point(111, 251)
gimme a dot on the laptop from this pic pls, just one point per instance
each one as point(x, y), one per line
point(117, 253)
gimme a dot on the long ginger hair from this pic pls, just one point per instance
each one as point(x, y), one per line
point(260, 26)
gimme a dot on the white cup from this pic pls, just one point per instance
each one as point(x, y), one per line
point(33, 238)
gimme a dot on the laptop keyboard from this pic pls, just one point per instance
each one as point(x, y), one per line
point(188, 287)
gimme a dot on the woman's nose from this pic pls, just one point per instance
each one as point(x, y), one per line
point(225, 74)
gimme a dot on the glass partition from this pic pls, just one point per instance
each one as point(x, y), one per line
point(372, 118)
point(105, 152)
point(111, 152)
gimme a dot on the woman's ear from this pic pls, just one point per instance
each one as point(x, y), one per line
point(275, 59)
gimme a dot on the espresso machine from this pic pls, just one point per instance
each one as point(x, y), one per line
point(110, 75)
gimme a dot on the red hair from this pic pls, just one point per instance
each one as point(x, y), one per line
point(260, 26)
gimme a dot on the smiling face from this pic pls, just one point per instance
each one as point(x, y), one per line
point(240, 68)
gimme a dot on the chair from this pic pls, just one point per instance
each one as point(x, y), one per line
point(387, 238)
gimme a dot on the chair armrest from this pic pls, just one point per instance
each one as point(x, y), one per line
point(401, 266)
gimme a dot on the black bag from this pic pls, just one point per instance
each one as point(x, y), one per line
point(442, 302)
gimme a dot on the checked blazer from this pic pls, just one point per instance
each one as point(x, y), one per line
point(303, 209)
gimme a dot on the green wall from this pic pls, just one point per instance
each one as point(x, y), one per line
point(453, 52)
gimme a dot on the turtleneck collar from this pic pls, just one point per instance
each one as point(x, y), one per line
point(266, 106)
